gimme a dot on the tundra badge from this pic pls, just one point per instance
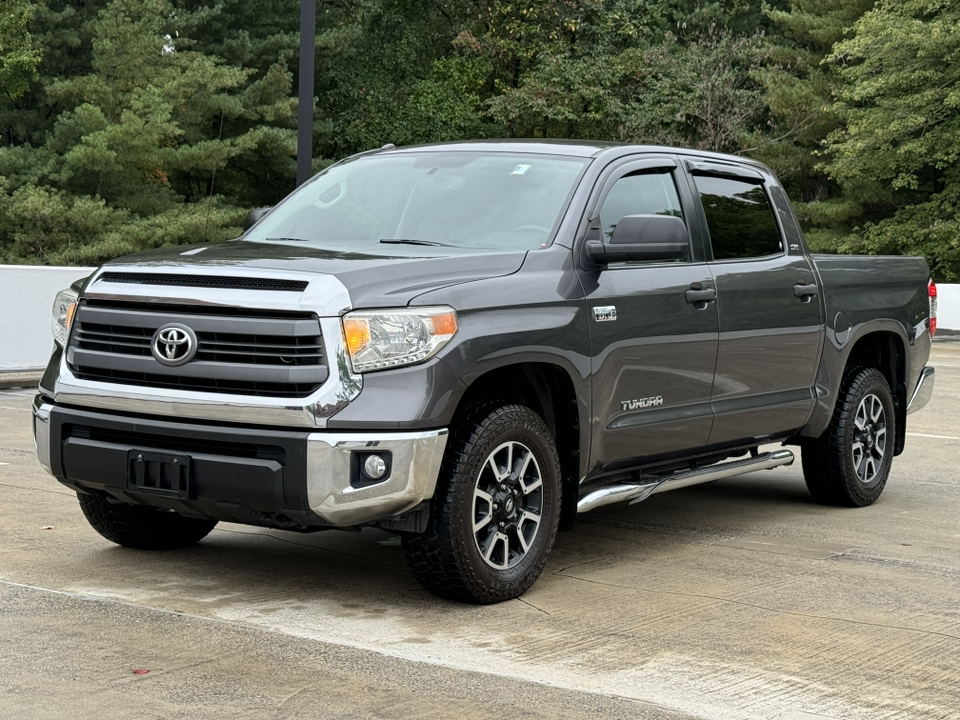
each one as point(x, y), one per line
point(641, 403)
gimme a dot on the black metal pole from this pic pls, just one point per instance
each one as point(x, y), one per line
point(308, 32)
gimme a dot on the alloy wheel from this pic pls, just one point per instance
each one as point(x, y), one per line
point(507, 505)
point(869, 438)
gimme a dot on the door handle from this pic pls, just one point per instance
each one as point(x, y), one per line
point(805, 291)
point(700, 296)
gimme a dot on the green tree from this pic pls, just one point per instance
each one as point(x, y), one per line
point(19, 53)
point(387, 73)
point(263, 39)
point(62, 29)
point(799, 86)
point(670, 72)
point(158, 122)
point(900, 100)
point(129, 162)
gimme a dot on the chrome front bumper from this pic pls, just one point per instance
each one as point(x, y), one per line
point(412, 478)
point(923, 391)
point(413, 474)
point(41, 432)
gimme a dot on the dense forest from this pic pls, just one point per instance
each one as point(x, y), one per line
point(128, 124)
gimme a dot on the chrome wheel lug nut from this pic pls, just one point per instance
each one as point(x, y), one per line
point(496, 506)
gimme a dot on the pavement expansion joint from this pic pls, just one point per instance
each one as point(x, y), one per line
point(416, 659)
point(765, 608)
point(782, 546)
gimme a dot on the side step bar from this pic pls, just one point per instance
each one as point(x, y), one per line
point(637, 492)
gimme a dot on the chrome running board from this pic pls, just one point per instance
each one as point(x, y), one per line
point(637, 492)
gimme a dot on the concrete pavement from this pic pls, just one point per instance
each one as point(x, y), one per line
point(20, 379)
point(736, 600)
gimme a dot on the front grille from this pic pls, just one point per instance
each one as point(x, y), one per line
point(208, 281)
point(215, 347)
point(274, 355)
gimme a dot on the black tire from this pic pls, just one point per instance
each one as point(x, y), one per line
point(141, 526)
point(491, 528)
point(849, 464)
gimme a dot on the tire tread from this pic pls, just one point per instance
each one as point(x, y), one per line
point(829, 478)
point(142, 527)
point(432, 556)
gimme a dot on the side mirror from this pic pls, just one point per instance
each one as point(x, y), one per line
point(642, 237)
point(254, 216)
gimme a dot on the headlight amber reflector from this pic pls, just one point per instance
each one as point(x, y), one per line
point(379, 339)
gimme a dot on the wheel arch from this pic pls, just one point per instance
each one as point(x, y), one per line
point(548, 390)
point(882, 348)
point(885, 351)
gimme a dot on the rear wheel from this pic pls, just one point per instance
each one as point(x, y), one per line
point(141, 526)
point(850, 463)
point(495, 511)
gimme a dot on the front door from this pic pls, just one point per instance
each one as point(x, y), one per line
point(653, 335)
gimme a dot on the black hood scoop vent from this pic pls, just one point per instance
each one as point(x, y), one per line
point(208, 281)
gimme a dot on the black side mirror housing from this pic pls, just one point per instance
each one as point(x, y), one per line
point(254, 216)
point(642, 237)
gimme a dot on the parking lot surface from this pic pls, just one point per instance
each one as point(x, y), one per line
point(735, 600)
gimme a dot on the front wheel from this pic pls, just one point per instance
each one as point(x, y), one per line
point(141, 526)
point(850, 463)
point(496, 509)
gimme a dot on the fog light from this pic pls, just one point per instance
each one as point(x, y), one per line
point(374, 467)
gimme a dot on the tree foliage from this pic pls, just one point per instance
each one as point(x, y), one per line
point(900, 100)
point(128, 124)
point(19, 53)
point(127, 164)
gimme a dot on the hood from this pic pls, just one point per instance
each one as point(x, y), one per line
point(371, 280)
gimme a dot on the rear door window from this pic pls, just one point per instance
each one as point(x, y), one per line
point(739, 217)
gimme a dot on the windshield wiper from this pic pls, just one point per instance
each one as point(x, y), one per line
point(288, 239)
point(408, 241)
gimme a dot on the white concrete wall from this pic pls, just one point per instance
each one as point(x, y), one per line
point(27, 292)
point(26, 301)
point(948, 307)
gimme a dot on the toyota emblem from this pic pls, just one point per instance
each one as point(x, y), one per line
point(174, 345)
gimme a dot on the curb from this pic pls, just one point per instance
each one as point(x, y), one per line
point(19, 379)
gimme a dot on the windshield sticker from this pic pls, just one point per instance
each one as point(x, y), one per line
point(520, 169)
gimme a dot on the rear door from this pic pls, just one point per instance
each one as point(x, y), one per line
point(653, 347)
point(771, 323)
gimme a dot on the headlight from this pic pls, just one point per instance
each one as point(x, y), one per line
point(63, 308)
point(378, 339)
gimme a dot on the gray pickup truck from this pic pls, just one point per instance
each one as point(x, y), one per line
point(469, 344)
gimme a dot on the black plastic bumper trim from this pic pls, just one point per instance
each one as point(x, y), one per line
point(247, 475)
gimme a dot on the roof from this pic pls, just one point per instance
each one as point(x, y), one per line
point(568, 147)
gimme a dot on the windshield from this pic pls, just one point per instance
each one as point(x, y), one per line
point(395, 204)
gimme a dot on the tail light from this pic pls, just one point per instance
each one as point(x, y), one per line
point(932, 294)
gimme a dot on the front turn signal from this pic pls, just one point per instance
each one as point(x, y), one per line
point(380, 339)
point(356, 332)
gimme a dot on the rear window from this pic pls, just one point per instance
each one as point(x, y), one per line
point(739, 218)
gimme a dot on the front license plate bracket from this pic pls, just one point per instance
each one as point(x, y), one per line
point(155, 473)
